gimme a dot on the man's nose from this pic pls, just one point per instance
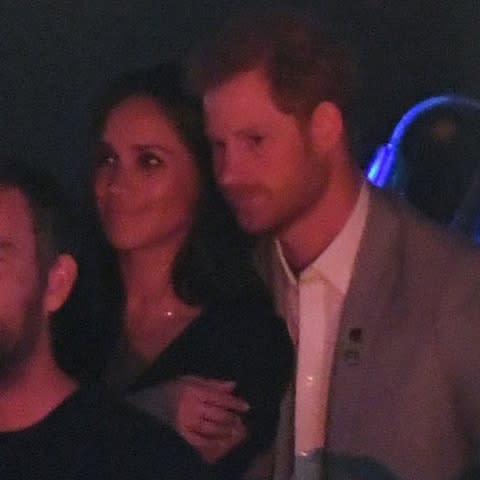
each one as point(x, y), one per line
point(230, 168)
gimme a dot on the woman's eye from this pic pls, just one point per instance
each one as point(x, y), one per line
point(104, 160)
point(150, 160)
point(104, 155)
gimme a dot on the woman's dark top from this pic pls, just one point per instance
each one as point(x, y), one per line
point(241, 340)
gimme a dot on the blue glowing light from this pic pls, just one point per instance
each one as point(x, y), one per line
point(381, 167)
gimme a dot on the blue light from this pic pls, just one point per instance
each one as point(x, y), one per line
point(381, 168)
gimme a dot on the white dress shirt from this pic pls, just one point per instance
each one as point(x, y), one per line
point(311, 305)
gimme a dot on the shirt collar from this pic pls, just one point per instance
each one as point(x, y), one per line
point(335, 263)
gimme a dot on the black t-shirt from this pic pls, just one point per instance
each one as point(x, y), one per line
point(92, 437)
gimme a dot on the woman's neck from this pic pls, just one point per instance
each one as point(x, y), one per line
point(146, 271)
point(154, 314)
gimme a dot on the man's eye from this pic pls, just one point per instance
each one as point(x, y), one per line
point(218, 150)
point(256, 140)
point(218, 146)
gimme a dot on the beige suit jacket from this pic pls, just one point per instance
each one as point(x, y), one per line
point(404, 400)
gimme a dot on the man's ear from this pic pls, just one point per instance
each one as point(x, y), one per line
point(326, 127)
point(61, 278)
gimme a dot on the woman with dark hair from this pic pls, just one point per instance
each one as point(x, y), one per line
point(201, 346)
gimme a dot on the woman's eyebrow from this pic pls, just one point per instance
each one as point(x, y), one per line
point(153, 146)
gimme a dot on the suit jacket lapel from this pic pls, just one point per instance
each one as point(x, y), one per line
point(368, 296)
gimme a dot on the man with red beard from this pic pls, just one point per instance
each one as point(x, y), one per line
point(383, 307)
point(49, 427)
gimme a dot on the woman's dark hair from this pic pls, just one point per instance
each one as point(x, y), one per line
point(215, 260)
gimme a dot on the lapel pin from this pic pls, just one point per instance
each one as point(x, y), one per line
point(353, 345)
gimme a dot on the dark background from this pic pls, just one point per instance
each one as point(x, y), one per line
point(56, 54)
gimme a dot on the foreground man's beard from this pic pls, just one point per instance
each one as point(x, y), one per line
point(17, 346)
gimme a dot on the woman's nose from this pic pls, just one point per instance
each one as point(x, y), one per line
point(120, 180)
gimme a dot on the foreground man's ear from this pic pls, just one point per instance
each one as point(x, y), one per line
point(326, 127)
point(61, 278)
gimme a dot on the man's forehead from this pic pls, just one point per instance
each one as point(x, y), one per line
point(245, 102)
point(251, 83)
point(15, 212)
point(13, 195)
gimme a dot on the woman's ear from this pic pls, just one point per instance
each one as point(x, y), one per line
point(326, 127)
point(61, 278)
